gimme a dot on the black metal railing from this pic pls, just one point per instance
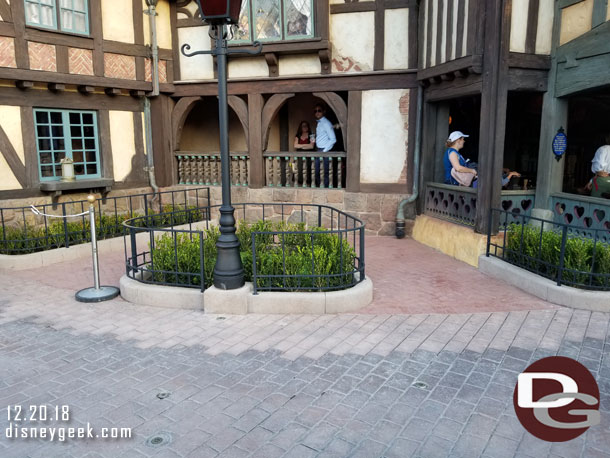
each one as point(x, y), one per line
point(557, 251)
point(284, 247)
point(22, 231)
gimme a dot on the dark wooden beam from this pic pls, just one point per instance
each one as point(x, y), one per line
point(461, 32)
point(532, 26)
point(54, 38)
point(449, 40)
point(66, 78)
point(520, 79)
point(112, 91)
point(600, 11)
point(30, 148)
point(56, 87)
point(5, 11)
point(7, 29)
point(84, 89)
point(354, 120)
point(95, 9)
point(24, 84)
point(334, 82)
point(354, 7)
point(61, 55)
point(65, 99)
point(459, 87)
point(12, 159)
point(175, 42)
point(429, 32)
point(21, 46)
point(468, 63)
point(255, 141)
point(534, 61)
point(379, 30)
point(272, 64)
point(106, 158)
point(413, 34)
point(494, 96)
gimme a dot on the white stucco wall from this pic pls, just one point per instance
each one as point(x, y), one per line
point(123, 143)
point(544, 34)
point(518, 25)
point(10, 120)
point(164, 30)
point(117, 20)
point(383, 150)
point(299, 65)
point(197, 67)
point(248, 67)
point(353, 38)
point(396, 40)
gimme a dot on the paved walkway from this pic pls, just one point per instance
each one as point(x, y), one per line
point(408, 277)
point(358, 385)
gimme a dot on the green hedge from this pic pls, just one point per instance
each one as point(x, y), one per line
point(178, 256)
point(29, 239)
point(540, 252)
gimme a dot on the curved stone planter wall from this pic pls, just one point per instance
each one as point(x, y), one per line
point(242, 301)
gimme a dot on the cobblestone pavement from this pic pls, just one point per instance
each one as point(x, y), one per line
point(359, 385)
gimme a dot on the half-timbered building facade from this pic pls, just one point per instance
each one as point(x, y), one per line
point(104, 82)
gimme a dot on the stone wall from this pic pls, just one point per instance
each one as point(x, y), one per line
point(377, 211)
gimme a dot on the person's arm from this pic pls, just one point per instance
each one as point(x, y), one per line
point(297, 145)
point(455, 163)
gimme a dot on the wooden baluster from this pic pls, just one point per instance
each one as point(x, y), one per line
point(180, 170)
point(339, 173)
point(288, 171)
point(268, 172)
point(199, 169)
point(304, 172)
point(243, 173)
point(187, 169)
point(277, 173)
point(213, 176)
point(331, 167)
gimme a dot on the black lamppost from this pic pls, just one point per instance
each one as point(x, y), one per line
point(229, 271)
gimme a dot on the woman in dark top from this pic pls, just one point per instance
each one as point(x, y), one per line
point(304, 139)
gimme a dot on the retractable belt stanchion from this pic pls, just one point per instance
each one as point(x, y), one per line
point(97, 293)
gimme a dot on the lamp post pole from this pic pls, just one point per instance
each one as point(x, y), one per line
point(228, 271)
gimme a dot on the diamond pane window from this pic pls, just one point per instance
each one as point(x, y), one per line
point(67, 133)
point(65, 15)
point(274, 20)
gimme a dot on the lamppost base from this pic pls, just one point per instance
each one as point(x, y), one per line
point(104, 293)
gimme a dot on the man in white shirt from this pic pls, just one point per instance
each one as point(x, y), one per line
point(325, 140)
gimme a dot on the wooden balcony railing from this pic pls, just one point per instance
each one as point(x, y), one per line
point(204, 168)
point(289, 169)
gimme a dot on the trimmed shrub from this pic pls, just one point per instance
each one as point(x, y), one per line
point(540, 251)
point(287, 258)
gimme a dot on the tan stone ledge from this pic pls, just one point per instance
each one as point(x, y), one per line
point(242, 301)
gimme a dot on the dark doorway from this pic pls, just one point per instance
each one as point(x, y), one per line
point(588, 125)
point(522, 137)
point(465, 116)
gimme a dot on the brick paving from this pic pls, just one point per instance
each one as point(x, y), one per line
point(359, 385)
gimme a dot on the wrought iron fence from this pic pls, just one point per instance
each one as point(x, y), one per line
point(284, 247)
point(557, 251)
point(22, 231)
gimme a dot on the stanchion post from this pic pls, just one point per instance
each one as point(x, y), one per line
point(97, 293)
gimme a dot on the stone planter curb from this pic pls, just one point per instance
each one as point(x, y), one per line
point(242, 301)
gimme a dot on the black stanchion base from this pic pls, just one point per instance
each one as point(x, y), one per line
point(104, 293)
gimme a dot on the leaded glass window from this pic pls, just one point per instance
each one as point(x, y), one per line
point(71, 16)
point(67, 133)
point(275, 20)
